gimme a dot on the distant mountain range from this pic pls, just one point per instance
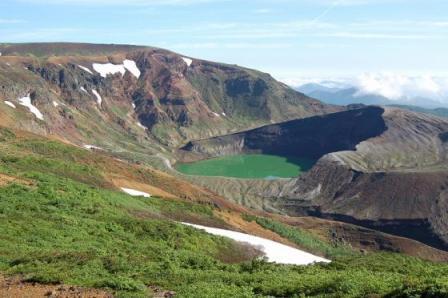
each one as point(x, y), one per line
point(441, 112)
point(345, 94)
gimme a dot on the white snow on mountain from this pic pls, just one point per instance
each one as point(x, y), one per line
point(132, 67)
point(109, 69)
point(141, 125)
point(99, 100)
point(10, 104)
point(274, 251)
point(90, 147)
point(135, 193)
point(26, 101)
point(188, 61)
point(85, 69)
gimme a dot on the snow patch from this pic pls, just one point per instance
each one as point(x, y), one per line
point(165, 160)
point(83, 89)
point(109, 68)
point(274, 251)
point(133, 105)
point(10, 104)
point(90, 147)
point(85, 69)
point(188, 61)
point(132, 67)
point(224, 114)
point(26, 101)
point(141, 125)
point(216, 114)
point(99, 100)
point(134, 192)
point(55, 104)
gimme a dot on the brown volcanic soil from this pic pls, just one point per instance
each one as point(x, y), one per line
point(15, 287)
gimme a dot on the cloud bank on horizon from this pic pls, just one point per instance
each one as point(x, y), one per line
point(393, 86)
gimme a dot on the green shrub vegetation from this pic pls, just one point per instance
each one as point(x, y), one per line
point(58, 229)
point(302, 238)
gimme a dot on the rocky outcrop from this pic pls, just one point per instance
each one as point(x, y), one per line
point(395, 182)
point(408, 204)
point(311, 137)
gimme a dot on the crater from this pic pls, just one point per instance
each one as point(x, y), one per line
point(298, 142)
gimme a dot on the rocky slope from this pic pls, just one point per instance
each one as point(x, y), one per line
point(382, 168)
point(139, 94)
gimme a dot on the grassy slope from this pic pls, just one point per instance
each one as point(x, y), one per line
point(58, 224)
point(302, 238)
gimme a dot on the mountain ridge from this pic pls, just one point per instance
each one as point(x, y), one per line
point(172, 99)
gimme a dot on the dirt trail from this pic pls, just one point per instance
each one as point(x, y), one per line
point(14, 287)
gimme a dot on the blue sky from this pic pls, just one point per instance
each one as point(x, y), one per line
point(287, 38)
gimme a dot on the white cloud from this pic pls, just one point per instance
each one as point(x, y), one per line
point(402, 87)
point(368, 35)
point(330, 82)
point(11, 21)
point(262, 11)
point(438, 24)
point(121, 2)
point(392, 85)
point(229, 45)
point(352, 2)
point(38, 35)
point(379, 29)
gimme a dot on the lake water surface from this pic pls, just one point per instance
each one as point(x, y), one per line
point(256, 166)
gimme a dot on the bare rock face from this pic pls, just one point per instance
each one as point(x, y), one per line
point(409, 204)
point(311, 137)
point(395, 182)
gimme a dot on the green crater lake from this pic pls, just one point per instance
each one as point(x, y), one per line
point(256, 166)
